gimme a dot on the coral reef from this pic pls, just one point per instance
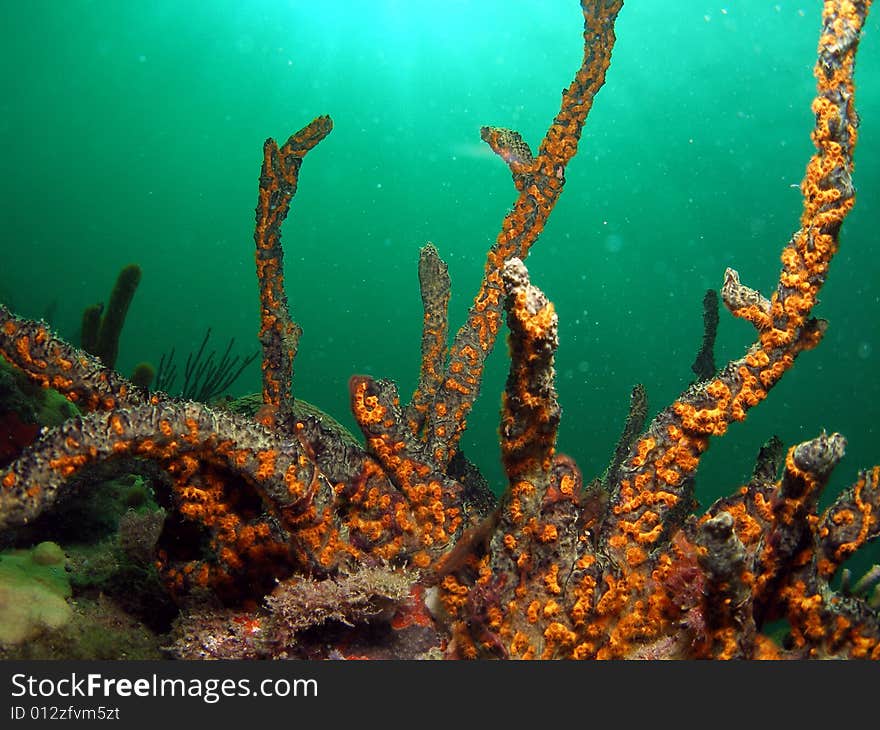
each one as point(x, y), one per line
point(282, 536)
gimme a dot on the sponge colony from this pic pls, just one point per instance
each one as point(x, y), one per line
point(33, 592)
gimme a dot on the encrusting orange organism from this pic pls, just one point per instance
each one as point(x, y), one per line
point(279, 504)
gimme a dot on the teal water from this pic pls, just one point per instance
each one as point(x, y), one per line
point(132, 132)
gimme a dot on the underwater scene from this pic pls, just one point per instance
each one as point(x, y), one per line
point(425, 403)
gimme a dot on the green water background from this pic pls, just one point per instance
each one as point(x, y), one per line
point(132, 132)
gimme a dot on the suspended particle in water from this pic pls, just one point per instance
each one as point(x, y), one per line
point(864, 350)
point(613, 243)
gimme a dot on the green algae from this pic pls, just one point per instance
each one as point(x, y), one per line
point(34, 588)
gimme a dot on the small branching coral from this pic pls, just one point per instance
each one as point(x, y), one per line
point(285, 501)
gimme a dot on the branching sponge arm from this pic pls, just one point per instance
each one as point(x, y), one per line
point(664, 459)
point(279, 334)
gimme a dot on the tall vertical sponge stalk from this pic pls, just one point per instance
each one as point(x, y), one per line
point(537, 527)
point(279, 334)
point(107, 338)
point(435, 290)
point(539, 181)
point(530, 413)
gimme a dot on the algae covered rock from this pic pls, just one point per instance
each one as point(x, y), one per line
point(48, 553)
point(33, 592)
